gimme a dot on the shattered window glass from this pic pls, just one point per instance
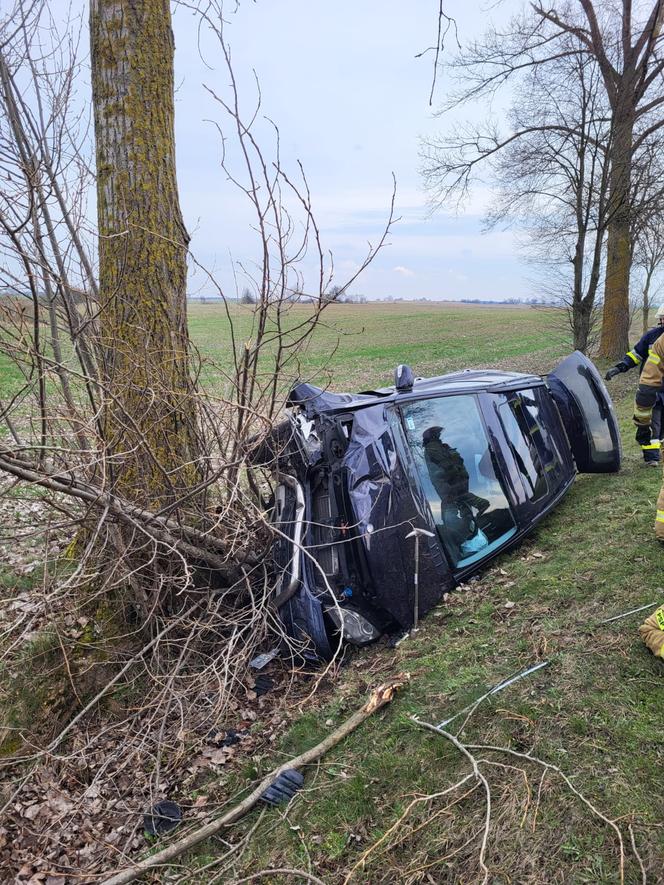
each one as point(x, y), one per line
point(452, 456)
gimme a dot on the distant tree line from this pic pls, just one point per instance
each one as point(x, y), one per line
point(333, 295)
point(247, 297)
point(533, 300)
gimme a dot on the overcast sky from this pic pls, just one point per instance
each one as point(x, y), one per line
point(351, 101)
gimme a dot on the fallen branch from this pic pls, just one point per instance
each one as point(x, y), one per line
point(160, 528)
point(478, 776)
point(284, 872)
point(397, 824)
point(547, 766)
point(379, 699)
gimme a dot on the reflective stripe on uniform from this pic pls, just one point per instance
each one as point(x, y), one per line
point(660, 516)
point(654, 358)
point(633, 356)
point(642, 413)
point(654, 445)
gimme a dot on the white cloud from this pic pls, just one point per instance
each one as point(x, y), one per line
point(404, 271)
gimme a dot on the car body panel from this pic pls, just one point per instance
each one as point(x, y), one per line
point(587, 413)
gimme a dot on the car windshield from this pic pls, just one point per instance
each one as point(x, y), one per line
point(452, 455)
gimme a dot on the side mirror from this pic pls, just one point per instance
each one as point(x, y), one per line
point(404, 377)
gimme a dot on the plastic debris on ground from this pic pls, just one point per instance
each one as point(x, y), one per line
point(224, 737)
point(163, 817)
point(263, 685)
point(263, 660)
point(284, 788)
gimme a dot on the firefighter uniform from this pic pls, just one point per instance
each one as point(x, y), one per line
point(652, 632)
point(647, 394)
point(449, 477)
point(648, 437)
point(448, 473)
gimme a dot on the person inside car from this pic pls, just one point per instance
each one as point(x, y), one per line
point(450, 479)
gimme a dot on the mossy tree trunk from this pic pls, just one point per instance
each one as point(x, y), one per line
point(149, 415)
point(615, 319)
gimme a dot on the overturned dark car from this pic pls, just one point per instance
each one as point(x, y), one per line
point(387, 499)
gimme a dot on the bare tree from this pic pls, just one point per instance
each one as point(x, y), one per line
point(553, 184)
point(176, 583)
point(247, 296)
point(648, 258)
point(626, 48)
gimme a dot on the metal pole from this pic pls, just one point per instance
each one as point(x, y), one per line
point(416, 610)
point(416, 605)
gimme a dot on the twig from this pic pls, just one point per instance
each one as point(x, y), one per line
point(379, 699)
point(632, 611)
point(537, 803)
point(429, 798)
point(644, 878)
point(286, 872)
point(218, 861)
point(478, 775)
point(550, 767)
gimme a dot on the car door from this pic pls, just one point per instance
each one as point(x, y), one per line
point(587, 414)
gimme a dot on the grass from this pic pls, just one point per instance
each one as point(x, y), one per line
point(361, 345)
point(596, 711)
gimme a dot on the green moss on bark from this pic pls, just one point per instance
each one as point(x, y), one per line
point(148, 421)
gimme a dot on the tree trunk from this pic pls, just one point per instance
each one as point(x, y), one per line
point(646, 301)
point(149, 416)
point(615, 320)
point(581, 325)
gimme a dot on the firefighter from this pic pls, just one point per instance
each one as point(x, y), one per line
point(649, 438)
point(448, 473)
point(450, 479)
point(652, 632)
point(647, 394)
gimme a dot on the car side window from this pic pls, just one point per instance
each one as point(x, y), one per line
point(454, 463)
point(533, 450)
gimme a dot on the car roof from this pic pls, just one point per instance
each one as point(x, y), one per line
point(465, 381)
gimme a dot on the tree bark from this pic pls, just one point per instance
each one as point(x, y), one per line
point(148, 419)
point(646, 300)
point(615, 320)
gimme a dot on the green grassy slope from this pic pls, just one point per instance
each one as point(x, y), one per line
point(596, 711)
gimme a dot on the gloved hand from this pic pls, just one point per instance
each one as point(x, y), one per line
point(652, 632)
point(613, 371)
point(643, 434)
